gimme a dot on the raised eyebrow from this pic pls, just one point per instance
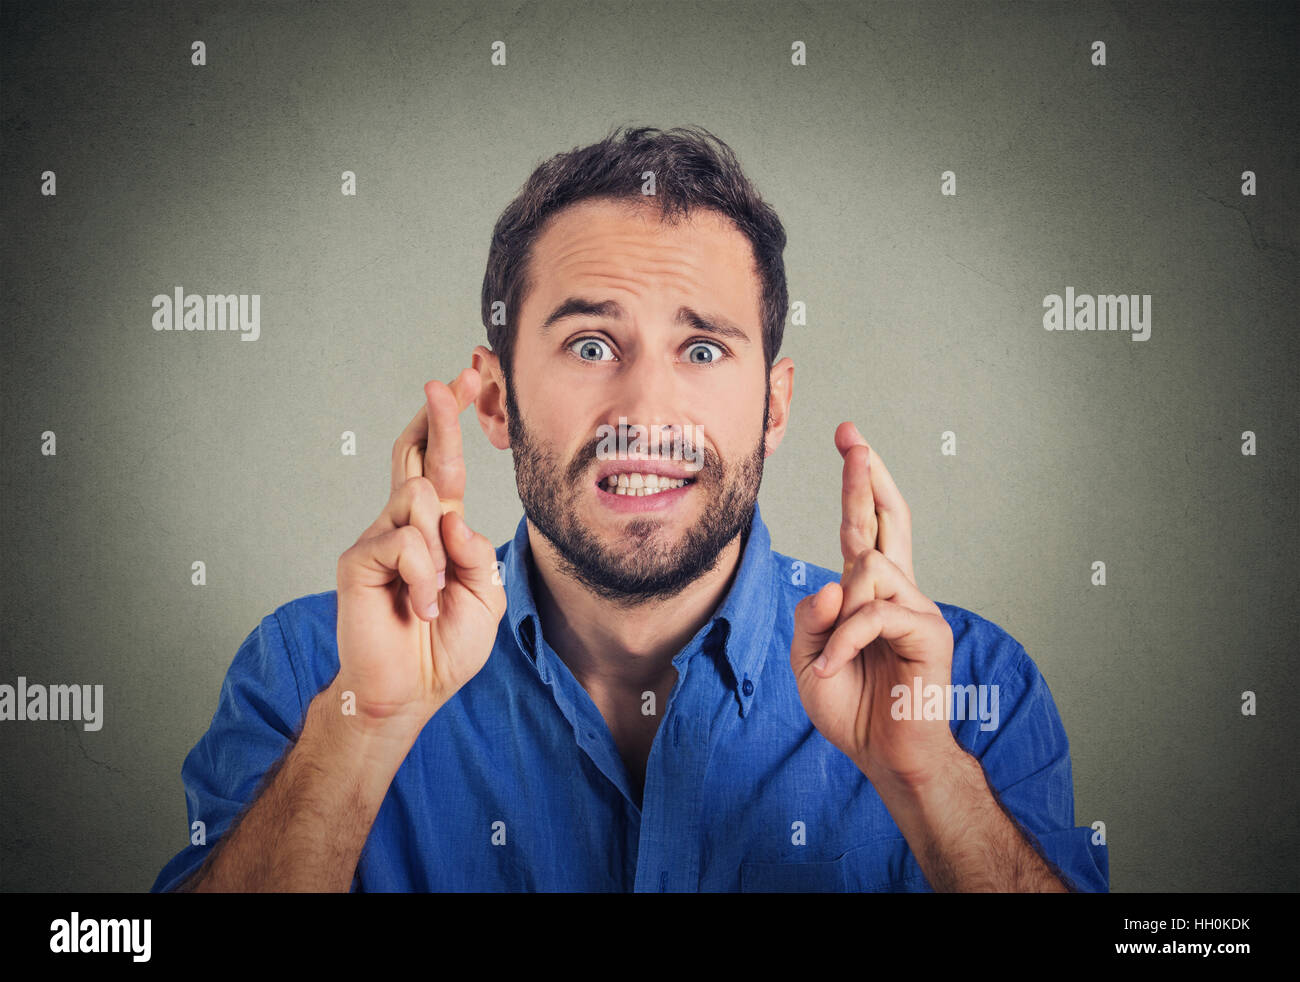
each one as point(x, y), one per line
point(575, 306)
point(578, 306)
point(711, 325)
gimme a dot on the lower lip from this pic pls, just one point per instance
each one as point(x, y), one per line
point(646, 502)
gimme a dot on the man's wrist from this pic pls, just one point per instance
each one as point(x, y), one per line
point(952, 763)
point(922, 804)
point(357, 745)
point(960, 835)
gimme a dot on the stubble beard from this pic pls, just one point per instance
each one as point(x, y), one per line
point(642, 566)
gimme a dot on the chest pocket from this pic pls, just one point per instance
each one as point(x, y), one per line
point(886, 865)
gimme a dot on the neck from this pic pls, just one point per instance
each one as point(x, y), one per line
point(615, 647)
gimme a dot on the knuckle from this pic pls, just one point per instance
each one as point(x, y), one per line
point(426, 504)
point(419, 486)
point(409, 537)
point(865, 559)
point(345, 568)
point(873, 609)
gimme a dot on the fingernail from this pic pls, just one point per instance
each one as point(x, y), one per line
point(820, 663)
point(433, 610)
point(442, 578)
point(465, 532)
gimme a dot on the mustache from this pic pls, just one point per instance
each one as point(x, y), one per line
point(586, 457)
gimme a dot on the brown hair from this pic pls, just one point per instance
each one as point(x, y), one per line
point(692, 169)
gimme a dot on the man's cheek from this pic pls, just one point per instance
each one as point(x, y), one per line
point(693, 451)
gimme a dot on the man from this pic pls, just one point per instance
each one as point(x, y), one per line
point(636, 693)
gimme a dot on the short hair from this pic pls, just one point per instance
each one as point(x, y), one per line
point(692, 169)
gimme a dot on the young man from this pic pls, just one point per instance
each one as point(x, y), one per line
point(636, 693)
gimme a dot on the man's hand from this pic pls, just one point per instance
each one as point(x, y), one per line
point(855, 640)
point(398, 663)
point(418, 608)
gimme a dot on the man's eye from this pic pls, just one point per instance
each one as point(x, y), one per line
point(589, 349)
point(699, 354)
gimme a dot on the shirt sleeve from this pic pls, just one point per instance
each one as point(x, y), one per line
point(259, 714)
point(1026, 758)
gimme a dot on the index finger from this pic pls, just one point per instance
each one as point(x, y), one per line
point(894, 529)
point(408, 450)
point(858, 525)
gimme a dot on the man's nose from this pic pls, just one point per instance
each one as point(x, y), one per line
point(648, 395)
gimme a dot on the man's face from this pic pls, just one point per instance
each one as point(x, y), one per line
point(704, 393)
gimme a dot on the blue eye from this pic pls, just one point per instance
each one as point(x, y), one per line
point(588, 349)
point(694, 352)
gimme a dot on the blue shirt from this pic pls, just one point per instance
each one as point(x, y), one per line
point(516, 783)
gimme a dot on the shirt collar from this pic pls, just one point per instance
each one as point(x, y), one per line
point(742, 622)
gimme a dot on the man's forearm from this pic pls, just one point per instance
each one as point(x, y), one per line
point(306, 829)
point(962, 838)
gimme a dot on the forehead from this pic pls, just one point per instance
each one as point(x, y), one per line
point(624, 244)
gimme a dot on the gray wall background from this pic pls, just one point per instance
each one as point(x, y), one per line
point(924, 316)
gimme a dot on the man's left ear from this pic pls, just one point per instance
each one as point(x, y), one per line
point(781, 380)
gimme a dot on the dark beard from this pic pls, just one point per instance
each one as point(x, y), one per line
point(643, 570)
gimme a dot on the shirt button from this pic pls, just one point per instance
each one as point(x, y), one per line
point(747, 687)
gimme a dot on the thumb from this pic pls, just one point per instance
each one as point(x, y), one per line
point(474, 558)
point(814, 619)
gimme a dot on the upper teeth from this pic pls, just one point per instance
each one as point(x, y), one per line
point(640, 485)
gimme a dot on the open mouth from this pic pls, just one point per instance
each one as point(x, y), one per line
point(635, 485)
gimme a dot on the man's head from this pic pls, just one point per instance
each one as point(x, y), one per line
point(606, 306)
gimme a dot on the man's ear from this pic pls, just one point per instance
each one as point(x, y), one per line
point(491, 401)
point(781, 380)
